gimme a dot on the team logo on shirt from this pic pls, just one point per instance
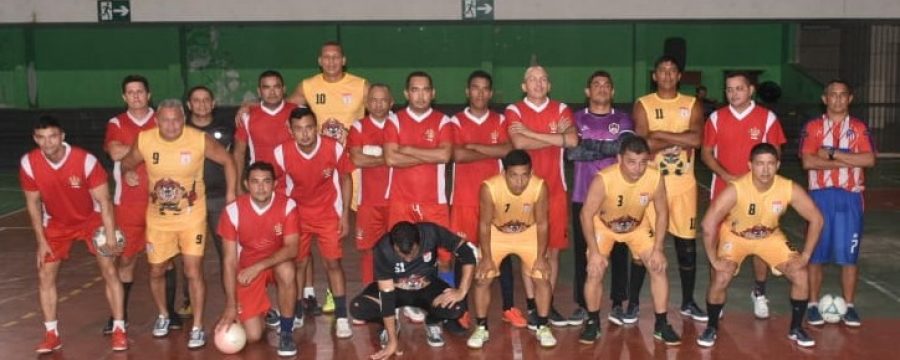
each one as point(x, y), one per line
point(613, 128)
point(777, 207)
point(185, 158)
point(526, 207)
point(74, 182)
point(426, 257)
point(644, 199)
point(429, 135)
point(347, 98)
point(755, 133)
point(278, 229)
point(359, 234)
point(495, 136)
point(167, 194)
point(326, 173)
point(554, 127)
point(685, 112)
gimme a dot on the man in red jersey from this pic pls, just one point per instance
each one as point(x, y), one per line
point(317, 175)
point(730, 133)
point(263, 126)
point(67, 198)
point(544, 128)
point(259, 232)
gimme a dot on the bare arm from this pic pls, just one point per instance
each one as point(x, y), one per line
point(132, 159)
point(491, 151)
point(660, 204)
point(365, 161)
point(439, 155)
point(863, 160)
point(541, 217)
point(394, 158)
point(229, 274)
point(346, 199)
point(116, 150)
point(692, 138)
point(239, 154)
point(713, 219)
point(485, 217)
point(33, 204)
point(297, 96)
point(217, 153)
point(596, 194)
point(803, 204)
point(100, 194)
point(526, 139)
point(706, 154)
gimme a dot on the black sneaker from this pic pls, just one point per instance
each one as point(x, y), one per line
point(799, 336)
point(590, 332)
point(694, 312)
point(175, 323)
point(454, 327)
point(556, 319)
point(286, 344)
point(708, 337)
point(667, 335)
point(273, 319)
point(851, 317)
point(311, 306)
point(632, 314)
point(617, 315)
point(579, 316)
point(532, 319)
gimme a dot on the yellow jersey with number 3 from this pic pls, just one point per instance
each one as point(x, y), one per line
point(625, 203)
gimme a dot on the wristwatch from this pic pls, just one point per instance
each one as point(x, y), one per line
point(831, 153)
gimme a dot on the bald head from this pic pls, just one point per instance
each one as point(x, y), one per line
point(536, 84)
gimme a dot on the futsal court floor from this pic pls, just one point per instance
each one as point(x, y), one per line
point(83, 310)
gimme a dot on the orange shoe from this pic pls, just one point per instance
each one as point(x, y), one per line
point(465, 320)
point(515, 318)
point(51, 342)
point(119, 340)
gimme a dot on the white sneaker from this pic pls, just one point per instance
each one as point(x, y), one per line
point(414, 314)
point(478, 338)
point(298, 322)
point(760, 305)
point(433, 335)
point(545, 336)
point(342, 328)
point(197, 339)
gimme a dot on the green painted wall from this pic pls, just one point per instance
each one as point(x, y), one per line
point(81, 65)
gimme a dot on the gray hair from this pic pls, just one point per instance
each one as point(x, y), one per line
point(171, 104)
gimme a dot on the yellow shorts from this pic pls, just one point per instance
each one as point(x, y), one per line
point(639, 240)
point(163, 245)
point(774, 250)
point(523, 244)
point(682, 214)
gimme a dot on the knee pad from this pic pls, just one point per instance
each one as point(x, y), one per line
point(364, 308)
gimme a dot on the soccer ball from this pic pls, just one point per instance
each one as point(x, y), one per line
point(99, 240)
point(231, 341)
point(832, 308)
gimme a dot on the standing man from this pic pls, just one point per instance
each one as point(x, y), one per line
point(480, 142)
point(744, 220)
point(513, 221)
point(176, 217)
point(131, 202)
point(836, 149)
point(601, 129)
point(407, 276)
point(366, 143)
point(264, 126)
point(544, 128)
point(317, 172)
point(260, 231)
point(729, 135)
point(614, 211)
point(67, 198)
point(672, 123)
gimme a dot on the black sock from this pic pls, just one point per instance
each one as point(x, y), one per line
point(507, 283)
point(340, 306)
point(686, 250)
point(594, 316)
point(714, 310)
point(635, 283)
point(542, 321)
point(127, 287)
point(481, 322)
point(171, 290)
point(661, 320)
point(530, 303)
point(798, 310)
point(760, 288)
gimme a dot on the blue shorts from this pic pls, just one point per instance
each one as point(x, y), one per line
point(842, 231)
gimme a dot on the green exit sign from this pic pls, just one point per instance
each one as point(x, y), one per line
point(113, 11)
point(478, 9)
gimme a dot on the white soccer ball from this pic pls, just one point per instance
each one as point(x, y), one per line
point(99, 240)
point(832, 308)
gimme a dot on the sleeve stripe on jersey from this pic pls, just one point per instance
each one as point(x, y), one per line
point(770, 120)
point(289, 206)
point(26, 166)
point(515, 109)
point(714, 120)
point(232, 210)
point(279, 157)
point(90, 162)
point(357, 125)
point(562, 107)
point(395, 120)
point(115, 121)
point(338, 151)
point(446, 121)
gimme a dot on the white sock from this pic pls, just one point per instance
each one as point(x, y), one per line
point(812, 304)
point(849, 305)
point(309, 292)
point(51, 326)
point(195, 328)
point(119, 324)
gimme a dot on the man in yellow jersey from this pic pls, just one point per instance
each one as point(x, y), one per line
point(672, 123)
point(614, 211)
point(513, 220)
point(751, 207)
point(176, 217)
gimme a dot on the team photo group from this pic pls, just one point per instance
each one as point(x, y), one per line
point(439, 205)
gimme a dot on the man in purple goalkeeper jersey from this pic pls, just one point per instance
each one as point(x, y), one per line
point(600, 128)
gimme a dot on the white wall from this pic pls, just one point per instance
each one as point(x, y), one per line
point(85, 11)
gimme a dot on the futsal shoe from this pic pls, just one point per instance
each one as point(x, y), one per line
point(708, 337)
point(851, 317)
point(50, 343)
point(799, 336)
point(515, 318)
point(590, 333)
point(119, 340)
point(760, 305)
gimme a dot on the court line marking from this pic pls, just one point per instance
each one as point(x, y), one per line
point(874, 284)
point(3, 216)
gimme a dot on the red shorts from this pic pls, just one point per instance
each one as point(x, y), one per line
point(415, 213)
point(371, 225)
point(60, 238)
point(464, 222)
point(132, 221)
point(558, 219)
point(326, 231)
point(252, 300)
